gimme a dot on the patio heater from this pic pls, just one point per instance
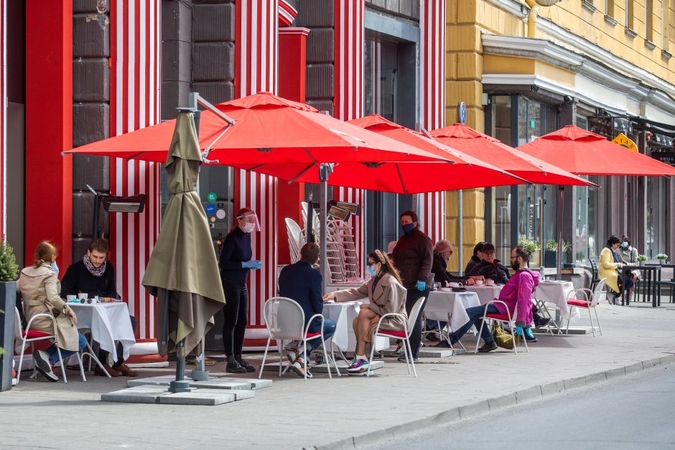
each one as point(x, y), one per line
point(112, 203)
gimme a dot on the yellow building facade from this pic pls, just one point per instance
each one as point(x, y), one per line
point(527, 68)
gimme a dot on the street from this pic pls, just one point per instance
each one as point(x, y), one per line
point(630, 412)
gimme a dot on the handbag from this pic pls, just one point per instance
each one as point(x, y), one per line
point(502, 338)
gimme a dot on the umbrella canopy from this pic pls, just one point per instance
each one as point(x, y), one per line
point(493, 151)
point(586, 153)
point(183, 269)
point(268, 129)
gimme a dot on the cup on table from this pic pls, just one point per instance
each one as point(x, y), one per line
point(454, 284)
point(479, 282)
point(489, 282)
point(94, 299)
point(83, 296)
point(71, 298)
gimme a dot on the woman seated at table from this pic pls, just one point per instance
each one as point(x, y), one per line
point(609, 267)
point(386, 295)
point(39, 286)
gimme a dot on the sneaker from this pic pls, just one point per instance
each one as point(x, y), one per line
point(242, 362)
point(301, 368)
point(360, 365)
point(488, 347)
point(443, 344)
point(529, 336)
point(234, 367)
point(414, 358)
point(292, 354)
point(41, 361)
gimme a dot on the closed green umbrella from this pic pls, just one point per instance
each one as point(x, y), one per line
point(183, 269)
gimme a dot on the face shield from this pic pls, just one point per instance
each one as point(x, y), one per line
point(248, 222)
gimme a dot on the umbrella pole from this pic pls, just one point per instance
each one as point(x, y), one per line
point(180, 384)
point(558, 263)
point(200, 373)
point(323, 193)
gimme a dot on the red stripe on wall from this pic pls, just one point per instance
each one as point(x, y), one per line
point(3, 118)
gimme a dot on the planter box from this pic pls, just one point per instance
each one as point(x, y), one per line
point(550, 258)
point(7, 304)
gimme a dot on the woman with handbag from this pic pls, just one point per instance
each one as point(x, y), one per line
point(39, 286)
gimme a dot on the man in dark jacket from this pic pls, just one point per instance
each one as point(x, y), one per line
point(476, 258)
point(413, 258)
point(489, 267)
point(302, 283)
point(94, 275)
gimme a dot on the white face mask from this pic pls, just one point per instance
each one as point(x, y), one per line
point(248, 227)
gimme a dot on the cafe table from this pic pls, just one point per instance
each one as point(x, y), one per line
point(650, 277)
point(447, 305)
point(555, 292)
point(108, 323)
point(485, 293)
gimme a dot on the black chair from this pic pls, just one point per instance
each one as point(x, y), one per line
point(594, 273)
point(670, 284)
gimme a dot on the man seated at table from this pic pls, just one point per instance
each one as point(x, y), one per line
point(490, 267)
point(517, 291)
point(95, 276)
point(476, 258)
point(303, 283)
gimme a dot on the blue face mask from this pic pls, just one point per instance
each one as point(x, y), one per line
point(55, 268)
point(371, 271)
point(624, 244)
point(408, 227)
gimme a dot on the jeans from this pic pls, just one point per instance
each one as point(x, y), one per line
point(475, 314)
point(328, 331)
point(416, 336)
point(235, 315)
point(65, 354)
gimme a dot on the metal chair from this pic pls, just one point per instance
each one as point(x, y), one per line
point(403, 335)
point(585, 298)
point(29, 336)
point(285, 321)
point(508, 319)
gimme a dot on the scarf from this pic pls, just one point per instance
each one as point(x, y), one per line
point(97, 272)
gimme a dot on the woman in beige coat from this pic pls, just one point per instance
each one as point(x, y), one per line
point(39, 286)
point(386, 295)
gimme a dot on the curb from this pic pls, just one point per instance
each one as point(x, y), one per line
point(490, 405)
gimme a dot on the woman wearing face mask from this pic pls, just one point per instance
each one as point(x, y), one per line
point(386, 295)
point(628, 255)
point(609, 267)
point(39, 286)
point(235, 264)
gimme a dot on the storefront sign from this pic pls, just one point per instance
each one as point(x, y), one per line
point(665, 157)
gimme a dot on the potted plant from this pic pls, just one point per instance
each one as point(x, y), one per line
point(641, 259)
point(662, 257)
point(9, 271)
point(551, 252)
point(532, 246)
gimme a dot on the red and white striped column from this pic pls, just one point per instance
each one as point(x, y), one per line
point(135, 82)
point(256, 60)
point(349, 35)
point(431, 206)
point(3, 117)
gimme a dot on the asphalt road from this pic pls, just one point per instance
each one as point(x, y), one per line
point(631, 412)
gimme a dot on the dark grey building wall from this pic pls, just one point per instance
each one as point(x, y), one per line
point(91, 116)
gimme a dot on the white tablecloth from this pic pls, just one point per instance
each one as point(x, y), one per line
point(442, 304)
point(555, 292)
point(485, 293)
point(343, 314)
point(109, 323)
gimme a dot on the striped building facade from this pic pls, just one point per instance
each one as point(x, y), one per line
point(133, 46)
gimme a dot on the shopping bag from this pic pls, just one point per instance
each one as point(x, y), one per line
point(502, 338)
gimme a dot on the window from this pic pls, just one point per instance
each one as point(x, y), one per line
point(630, 14)
point(609, 8)
point(649, 20)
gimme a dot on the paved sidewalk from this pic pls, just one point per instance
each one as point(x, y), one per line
point(343, 412)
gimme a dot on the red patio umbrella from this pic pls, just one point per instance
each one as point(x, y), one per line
point(586, 153)
point(493, 151)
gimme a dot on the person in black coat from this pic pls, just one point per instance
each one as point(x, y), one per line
point(303, 283)
point(489, 267)
point(95, 275)
point(476, 258)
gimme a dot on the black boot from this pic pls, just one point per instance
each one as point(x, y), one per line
point(540, 321)
point(242, 362)
point(233, 366)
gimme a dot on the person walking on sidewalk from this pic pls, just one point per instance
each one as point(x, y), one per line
point(413, 258)
point(303, 283)
point(386, 295)
point(516, 292)
point(39, 287)
point(235, 264)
